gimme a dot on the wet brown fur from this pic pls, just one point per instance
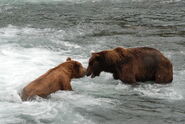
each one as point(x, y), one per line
point(55, 79)
point(131, 65)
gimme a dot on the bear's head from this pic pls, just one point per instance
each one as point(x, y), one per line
point(95, 65)
point(76, 67)
point(107, 60)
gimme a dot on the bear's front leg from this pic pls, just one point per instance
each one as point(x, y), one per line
point(126, 75)
point(128, 79)
point(66, 86)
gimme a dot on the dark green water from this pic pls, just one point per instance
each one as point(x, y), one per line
point(37, 35)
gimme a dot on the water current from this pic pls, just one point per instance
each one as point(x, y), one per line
point(36, 35)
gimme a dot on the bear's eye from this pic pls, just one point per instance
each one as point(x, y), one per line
point(77, 66)
point(91, 63)
point(80, 65)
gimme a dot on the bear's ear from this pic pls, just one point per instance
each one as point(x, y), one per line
point(68, 59)
point(119, 49)
point(95, 54)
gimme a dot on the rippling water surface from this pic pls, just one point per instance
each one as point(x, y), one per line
point(36, 35)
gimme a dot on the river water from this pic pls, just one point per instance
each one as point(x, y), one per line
point(36, 35)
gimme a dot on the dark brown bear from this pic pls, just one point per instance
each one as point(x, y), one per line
point(131, 65)
point(55, 79)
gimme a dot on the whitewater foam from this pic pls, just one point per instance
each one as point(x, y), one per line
point(18, 64)
point(159, 92)
point(43, 33)
point(18, 67)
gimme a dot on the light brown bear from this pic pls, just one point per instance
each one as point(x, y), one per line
point(131, 65)
point(55, 79)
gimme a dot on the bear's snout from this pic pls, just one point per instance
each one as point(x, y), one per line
point(88, 71)
point(80, 73)
point(84, 71)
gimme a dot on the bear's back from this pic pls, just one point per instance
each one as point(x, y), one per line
point(147, 61)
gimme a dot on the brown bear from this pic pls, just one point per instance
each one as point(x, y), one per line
point(131, 65)
point(55, 79)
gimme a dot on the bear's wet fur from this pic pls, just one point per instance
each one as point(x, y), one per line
point(55, 79)
point(132, 65)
